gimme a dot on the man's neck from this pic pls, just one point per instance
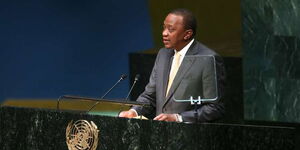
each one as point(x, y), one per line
point(184, 44)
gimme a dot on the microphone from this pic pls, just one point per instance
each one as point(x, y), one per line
point(123, 76)
point(137, 77)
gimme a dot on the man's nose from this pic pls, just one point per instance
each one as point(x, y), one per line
point(164, 32)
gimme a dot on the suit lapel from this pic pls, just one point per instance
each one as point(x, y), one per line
point(166, 71)
point(184, 67)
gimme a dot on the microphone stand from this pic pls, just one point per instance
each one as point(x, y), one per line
point(123, 76)
point(134, 82)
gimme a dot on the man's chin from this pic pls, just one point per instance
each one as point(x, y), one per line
point(168, 46)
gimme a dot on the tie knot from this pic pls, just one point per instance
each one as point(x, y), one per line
point(177, 57)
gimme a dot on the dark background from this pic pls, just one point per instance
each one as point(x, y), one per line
point(50, 48)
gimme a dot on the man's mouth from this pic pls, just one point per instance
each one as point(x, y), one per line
point(166, 41)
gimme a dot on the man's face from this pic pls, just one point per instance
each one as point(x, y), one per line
point(174, 32)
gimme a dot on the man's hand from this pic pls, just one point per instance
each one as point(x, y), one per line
point(166, 117)
point(128, 114)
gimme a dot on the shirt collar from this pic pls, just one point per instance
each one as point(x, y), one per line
point(183, 51)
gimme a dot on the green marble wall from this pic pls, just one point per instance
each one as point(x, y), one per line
point(45, 129)
point(271, 45)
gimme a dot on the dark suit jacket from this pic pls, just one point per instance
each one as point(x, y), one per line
point(192, 79)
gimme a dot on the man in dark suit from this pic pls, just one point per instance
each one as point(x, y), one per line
point(175, 75)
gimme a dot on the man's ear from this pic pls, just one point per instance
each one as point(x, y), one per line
point(188, 34)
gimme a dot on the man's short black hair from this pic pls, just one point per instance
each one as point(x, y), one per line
point(189, 19)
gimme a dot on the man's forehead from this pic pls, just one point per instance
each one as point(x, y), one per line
point(172, 19)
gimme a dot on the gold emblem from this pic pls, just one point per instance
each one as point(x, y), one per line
point(82, 135)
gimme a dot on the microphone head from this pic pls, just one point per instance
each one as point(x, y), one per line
point(137, 77)
point(123, 76)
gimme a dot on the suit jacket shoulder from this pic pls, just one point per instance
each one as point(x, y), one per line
point(198, 48)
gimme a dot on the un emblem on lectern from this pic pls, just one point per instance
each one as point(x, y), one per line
point(82, 135)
